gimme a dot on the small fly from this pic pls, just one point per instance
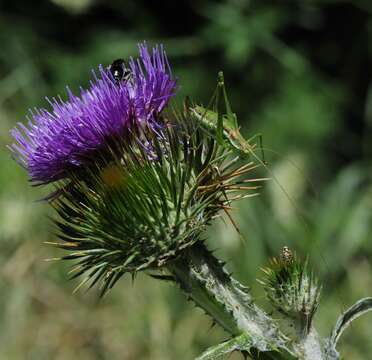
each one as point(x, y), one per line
point(286, 255)
point(119, 71)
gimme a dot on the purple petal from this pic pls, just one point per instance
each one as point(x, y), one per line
point(61, 139)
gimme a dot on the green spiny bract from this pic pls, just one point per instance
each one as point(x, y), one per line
point(151, 202)
point(292, 289)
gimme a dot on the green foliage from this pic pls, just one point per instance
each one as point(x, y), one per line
point(360, 308)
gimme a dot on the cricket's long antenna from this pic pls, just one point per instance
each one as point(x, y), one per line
point(247, 149)
point(294, 165)
point(227, 132)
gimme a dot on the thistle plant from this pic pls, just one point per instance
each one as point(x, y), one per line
point(136, 183)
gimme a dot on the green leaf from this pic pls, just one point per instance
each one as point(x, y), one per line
point(222, 351)
point(358, 309)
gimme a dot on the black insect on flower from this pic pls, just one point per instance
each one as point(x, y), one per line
point(119, 71)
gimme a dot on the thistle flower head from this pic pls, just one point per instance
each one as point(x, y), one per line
point(136, 186)
point(65, 139)
point(291, 288)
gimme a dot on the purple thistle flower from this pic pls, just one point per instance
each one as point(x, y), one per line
point(63, 139)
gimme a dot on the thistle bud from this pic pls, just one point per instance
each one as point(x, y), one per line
point(291, 288)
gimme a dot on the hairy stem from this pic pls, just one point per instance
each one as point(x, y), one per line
point(230, 304)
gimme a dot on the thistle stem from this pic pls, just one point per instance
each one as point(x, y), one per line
point(199, 273)
point(203, 278)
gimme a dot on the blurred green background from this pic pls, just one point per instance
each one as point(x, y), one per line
point(299, 72)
